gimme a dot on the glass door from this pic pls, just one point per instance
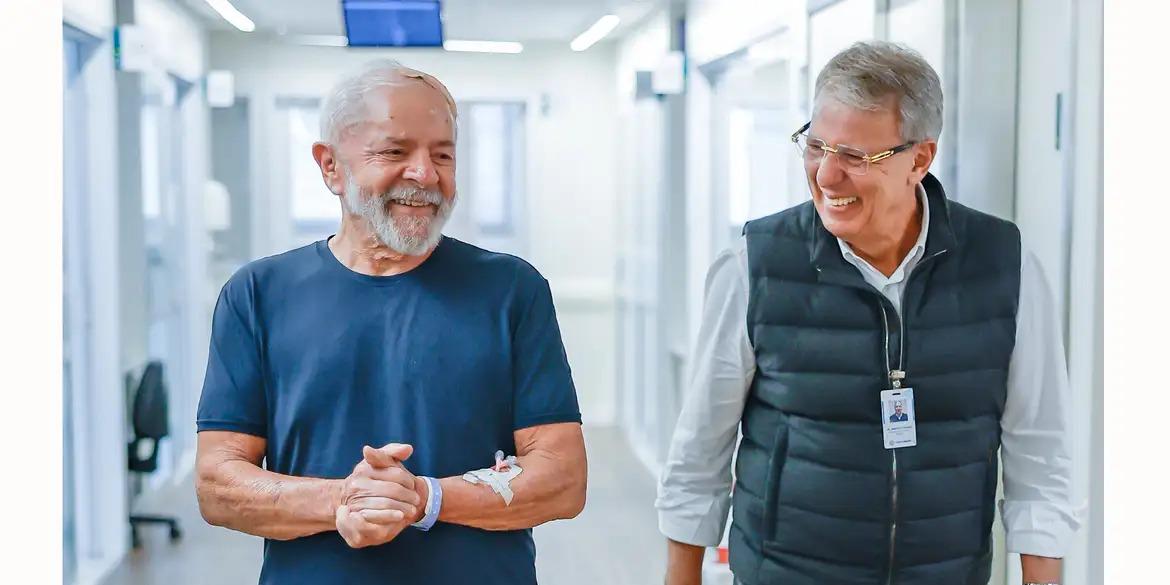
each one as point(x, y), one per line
point(162, 192)
point(73, 278)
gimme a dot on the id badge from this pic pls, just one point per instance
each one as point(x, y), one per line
point(898, 426)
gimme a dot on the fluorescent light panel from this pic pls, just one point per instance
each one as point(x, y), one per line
point(483, 46)
point(320, 40)
point(232, 15)
point(602, 27)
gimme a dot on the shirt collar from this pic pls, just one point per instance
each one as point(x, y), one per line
point(911, 257)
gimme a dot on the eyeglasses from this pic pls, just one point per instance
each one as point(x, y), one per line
point(854, 161)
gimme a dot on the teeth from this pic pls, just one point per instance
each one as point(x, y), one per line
point(411, 203)
point(840, 202)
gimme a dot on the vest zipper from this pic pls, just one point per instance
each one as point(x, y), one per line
point(895, 378)
point(896, 383)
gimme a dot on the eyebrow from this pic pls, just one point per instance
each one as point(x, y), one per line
point(409, 142)
point(849, 146)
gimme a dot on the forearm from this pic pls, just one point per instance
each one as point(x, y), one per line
point(684, 563)
point(241, 496)
point(1040, 569)
point(548, 489)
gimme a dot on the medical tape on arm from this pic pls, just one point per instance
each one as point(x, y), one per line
point(499, 477)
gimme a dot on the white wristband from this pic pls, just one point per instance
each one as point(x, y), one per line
point(433, 505)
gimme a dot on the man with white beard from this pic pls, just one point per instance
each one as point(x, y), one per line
point(381, 375)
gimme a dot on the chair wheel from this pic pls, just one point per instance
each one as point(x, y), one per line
point(176, 534)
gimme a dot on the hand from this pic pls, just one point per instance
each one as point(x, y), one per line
point(388, 458)
point(379, 498)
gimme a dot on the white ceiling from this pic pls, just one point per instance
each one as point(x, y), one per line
point(489, 20)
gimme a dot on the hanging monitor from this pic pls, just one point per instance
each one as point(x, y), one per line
point(393, 23)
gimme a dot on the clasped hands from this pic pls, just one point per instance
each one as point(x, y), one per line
point(380, 498)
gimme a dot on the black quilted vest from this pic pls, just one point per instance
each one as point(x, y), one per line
point(818, 499)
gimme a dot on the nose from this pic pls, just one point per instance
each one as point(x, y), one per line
point(421, 170)
point(830, 172)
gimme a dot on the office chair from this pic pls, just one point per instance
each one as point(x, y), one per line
point(150, 418)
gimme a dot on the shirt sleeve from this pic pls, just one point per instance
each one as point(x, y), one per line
point(694, 491)
point(234, 397)
point(543, 383)
point(1038, 511)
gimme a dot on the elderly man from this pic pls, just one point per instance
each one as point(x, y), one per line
point(878, 289)
point(389, 335)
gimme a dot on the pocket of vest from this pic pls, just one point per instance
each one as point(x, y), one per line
point(772, 484)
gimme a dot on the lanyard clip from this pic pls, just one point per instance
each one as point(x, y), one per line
point(896, 377)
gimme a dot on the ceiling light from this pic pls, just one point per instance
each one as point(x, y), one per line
point(602, 27)
point(233, 16)
point(320, 40)
point(483, 46)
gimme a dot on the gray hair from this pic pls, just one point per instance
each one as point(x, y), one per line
point(868, 73)
point(345, 106)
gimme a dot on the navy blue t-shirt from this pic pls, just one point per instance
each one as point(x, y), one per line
point(451, 357)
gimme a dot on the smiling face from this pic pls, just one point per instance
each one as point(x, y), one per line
point(396, 168)
point(871, 206)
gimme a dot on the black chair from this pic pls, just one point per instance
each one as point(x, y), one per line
point(150, 418)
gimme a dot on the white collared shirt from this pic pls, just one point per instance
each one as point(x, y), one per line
point(694, 492)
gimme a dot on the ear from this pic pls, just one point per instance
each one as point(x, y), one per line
point(924, 153)
point(330, 166)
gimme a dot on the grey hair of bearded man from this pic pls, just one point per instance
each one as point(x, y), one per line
point(345, 107)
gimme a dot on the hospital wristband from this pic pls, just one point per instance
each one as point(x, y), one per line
point(434, 504)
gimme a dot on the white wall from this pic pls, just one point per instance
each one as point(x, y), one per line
point(176, 39)
point(1058, 208)
point(99, 466)
point(642, 48)
point(641, 167)
point(716, 28)
point(1086, 278)
point(570, 178)
point(200, 300)
point(95, 17)
point(985, 125)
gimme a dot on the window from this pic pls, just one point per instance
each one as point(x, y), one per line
point(758, 153)
point(491, 175)
point(314, 211)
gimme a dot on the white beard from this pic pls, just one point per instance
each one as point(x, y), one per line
point(408, 235)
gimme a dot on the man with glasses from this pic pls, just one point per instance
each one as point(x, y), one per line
point(878, 290)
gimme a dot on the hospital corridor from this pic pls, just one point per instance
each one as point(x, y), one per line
point(611, 153)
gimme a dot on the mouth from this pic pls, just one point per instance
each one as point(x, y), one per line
point(839, 202)
point(411, 203)
point(413, 208)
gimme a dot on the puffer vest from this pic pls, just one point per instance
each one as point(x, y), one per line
point(818, 500)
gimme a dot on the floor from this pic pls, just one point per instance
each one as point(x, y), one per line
point(615, 541)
